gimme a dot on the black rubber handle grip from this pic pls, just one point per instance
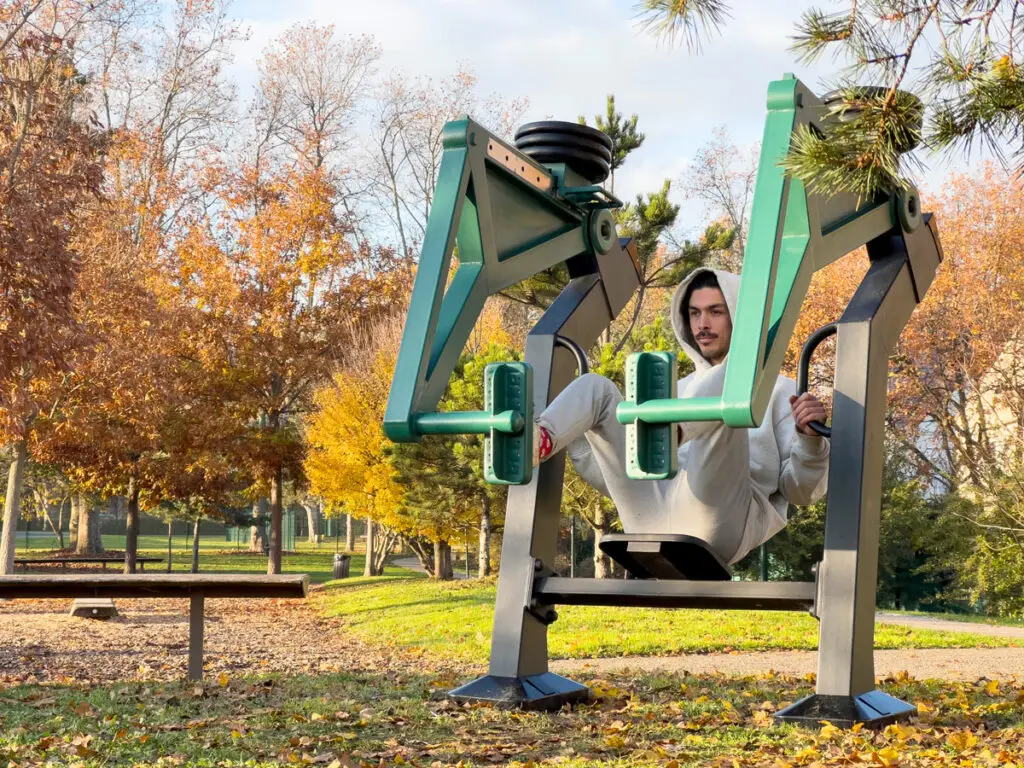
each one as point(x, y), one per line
point(803, 369)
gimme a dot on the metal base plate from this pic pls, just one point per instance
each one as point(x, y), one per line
point(93, 608)
point(665, 556)
point(873, 708)
point(546, 691)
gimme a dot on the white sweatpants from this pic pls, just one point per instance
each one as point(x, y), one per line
point(710, 498)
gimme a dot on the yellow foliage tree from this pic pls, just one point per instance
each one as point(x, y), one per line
point(346, 463)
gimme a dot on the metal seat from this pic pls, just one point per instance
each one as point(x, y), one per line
point(665, 556)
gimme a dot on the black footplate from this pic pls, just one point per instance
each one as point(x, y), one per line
point(665, 556)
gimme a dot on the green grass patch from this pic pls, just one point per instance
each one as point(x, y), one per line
point(969, 618)
point(219, 556)
point(454, 620)
point(376, 719)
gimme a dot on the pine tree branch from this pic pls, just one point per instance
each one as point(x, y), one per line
point(688, 20)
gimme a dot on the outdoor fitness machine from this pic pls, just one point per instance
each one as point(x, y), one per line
point(514, 212)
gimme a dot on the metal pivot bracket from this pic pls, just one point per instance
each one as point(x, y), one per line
point(792, 234)
point(507, 217)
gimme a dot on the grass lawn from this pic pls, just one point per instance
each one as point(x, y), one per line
point(399, 719)
point(454, 620)
point(392, 710)
point(970, 618)
point(216, 554)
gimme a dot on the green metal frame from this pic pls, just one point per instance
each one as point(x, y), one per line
point(509, 218)
point(792, 234)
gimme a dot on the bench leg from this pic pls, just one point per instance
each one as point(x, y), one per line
point(195, 638)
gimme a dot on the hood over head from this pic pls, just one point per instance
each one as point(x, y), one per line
point(730, 286)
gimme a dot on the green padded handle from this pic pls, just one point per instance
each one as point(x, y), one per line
point(508, 453)
point(651, 449)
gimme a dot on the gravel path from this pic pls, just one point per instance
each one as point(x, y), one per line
point(944, 625)
point(413, 564)
point(943, 663)
point(39, 642)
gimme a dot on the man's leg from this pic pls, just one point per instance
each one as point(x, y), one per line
point(586, 408)
point(712, 496)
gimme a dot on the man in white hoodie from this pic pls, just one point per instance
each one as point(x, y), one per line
point(734, 485)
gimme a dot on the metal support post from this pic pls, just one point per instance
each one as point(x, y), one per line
point(195, 636)
point(518, 672)
point(901, 269)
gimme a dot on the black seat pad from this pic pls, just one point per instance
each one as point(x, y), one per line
point(665, 556)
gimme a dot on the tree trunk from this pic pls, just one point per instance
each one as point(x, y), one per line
point(313, 521)
point(424, 551)
point(89, 542)
point(60, 523)
point(603, 568)
point(443, 561)
point(257, 534)
point(170, 543)
point(55, 527)
point(485, 538)
point(368, 569)
point(95, 541)
point(73, 521)
point(195, 547)
point(350, 540)
point(131, 539)
point(274, 561)
point(12, 506)
point(385, 540)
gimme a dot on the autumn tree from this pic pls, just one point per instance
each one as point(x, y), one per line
point(278, 283)
point(954, 397)
point(49, 168)
point(161, 96)
point(409, 116)
point(347, 462)
point(444, 489)
point(721, 176)
point(313, 85)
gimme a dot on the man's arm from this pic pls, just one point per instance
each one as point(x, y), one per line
point(803, 475)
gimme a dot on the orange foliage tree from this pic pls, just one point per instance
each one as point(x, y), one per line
point(956, 393)
point(277, 284)
point(49, 166)
point(133, 389)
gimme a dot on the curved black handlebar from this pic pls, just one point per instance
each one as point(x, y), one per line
point(803, 369)
point(577, 352)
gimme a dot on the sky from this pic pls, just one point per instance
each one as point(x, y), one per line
point(566, 56)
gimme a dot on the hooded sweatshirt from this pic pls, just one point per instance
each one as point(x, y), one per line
point(786, 466)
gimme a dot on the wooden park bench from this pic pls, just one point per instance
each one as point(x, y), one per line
point(63, 561)
point(196, 587)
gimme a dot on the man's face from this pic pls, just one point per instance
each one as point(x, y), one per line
point(710, 323)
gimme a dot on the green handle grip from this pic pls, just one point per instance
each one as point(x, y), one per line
point(670, 410)
point(469, 423)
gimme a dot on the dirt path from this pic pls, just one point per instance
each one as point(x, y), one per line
point(413, 564)
point(944, 625)
point(39, 642)
point(943, 663)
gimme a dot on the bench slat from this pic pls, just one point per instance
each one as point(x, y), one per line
point(43, 586)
